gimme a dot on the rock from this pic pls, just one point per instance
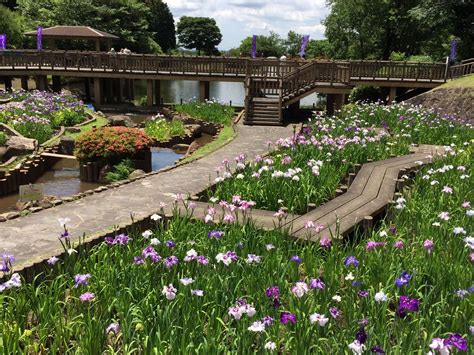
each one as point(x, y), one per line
point(195, 129)
point(2, 218)
point(13, 215)
point(122, 120)
point(20, 146)
point(35, 209)
point(20, 206)
point(3, 151)
point(136, 173)
point(180, 148)
point(103, 172)
point(73, 129)
point(165, 111)
point(66, 145)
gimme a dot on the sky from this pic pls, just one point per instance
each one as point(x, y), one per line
point(238, 19)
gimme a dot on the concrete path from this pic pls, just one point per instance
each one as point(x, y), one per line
point(35, 237)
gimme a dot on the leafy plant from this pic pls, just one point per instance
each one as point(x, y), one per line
point(111, 143)
point(210, 111)
point(39, 131)
point(365, 94)
point(66, 118)
point(3, 138)
point(121, 171)
point(162, 129)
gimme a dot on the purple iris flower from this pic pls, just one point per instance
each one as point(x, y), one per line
point(407, 305)
point(286, 317)
point(170, 244)
point(457, 341)
point(81, 279)
point(335, 313)
point(363, 293)
point(273, 292)
point(356, 283)
point(361, 335)
point(316, 283)
point(403, 279)
point(7, 261)
point(296, 259)
point(377, 350)
point(267, 320)
point(215, 234)
point(351, 260)
point(171, 261)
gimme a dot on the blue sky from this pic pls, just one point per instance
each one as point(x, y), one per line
point(238, 19)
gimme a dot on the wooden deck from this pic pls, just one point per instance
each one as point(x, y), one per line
point(369, 195)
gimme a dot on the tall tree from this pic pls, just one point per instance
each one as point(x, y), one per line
point(200, 33)
point(11, 24)
point(161, 22)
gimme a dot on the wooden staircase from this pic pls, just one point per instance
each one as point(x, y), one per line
point(266, 96)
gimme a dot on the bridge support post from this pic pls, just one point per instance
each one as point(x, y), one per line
point(87, 89)
point(149, 92)
point(392, 95)
point(204, 90)
point(330, 104)
point(98, 91)
point(56, 83)
point(338, 101)
point(157, 92)
point(117, 92)
point(41, 82)
point(294, 109)
point(7, 80)
point(24, 82)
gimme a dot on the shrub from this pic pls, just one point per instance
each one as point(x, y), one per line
point(121, 171)
point(365, 94)
point(66, 118)
point(36, 130)
point(161, 129)
point(210, 111)
point(111, 144)
point(3, 138)
point(398, 56)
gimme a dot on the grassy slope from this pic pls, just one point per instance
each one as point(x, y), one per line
point(463, 82)
point(225, 136)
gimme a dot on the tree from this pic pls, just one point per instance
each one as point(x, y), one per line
point(267, 46)
point(161, 22)
point(113, 16)
point(200, 33)
point(318, 48)
point(11, 25)
point(293, 43)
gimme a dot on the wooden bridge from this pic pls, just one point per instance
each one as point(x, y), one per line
point(270, 84)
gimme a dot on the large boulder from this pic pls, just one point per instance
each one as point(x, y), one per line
point(66, 145)
point(20, 146)
point(136, 173)
point(122, 120)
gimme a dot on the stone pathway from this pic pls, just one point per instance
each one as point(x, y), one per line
point(34, 238)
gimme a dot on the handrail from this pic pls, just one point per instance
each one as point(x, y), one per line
point(459, 70)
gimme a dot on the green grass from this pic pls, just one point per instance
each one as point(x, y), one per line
point(463, 82)
point(225, 136)
point(162, 129)
point(210, 111)
point(99, 122)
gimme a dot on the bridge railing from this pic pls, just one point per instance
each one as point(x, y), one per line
point(466, 67)
point(387, 70)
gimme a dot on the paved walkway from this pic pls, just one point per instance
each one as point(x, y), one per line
point(35, 237)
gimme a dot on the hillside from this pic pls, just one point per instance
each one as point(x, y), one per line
point(454, 97)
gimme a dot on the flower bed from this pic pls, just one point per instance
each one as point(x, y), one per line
point(309, 167)
point(37, 114)
point(161, 129)
point(210, 111)
point(215, 288)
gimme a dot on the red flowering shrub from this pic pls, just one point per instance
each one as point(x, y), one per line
point(111, 143)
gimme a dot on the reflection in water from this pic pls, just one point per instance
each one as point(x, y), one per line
point(162, 157)
point(173, 91)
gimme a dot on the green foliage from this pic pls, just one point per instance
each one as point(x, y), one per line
point(267, 46)
point(66, 118)
point(121, 171)
point(162, 129)
point(39, 131)
point(161, 23)
point(365, 94)
point(318, 49)
point(3, 138)
point(111, 144)
point(11, 23)
point(375, 29)
point(210, 111)
point(398, 56)
point(113, 16)
point(200, 33)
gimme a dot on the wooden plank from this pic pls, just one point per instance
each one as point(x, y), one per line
point(60, 156)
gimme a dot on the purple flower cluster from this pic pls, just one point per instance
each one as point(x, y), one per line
point(121, 239)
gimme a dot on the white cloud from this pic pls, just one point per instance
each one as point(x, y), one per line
point(241, 18)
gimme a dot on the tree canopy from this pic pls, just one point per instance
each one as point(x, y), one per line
point(131, 20)
point(375, 29)
point(201, 33)
point(161, 23)
point(11, 24)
